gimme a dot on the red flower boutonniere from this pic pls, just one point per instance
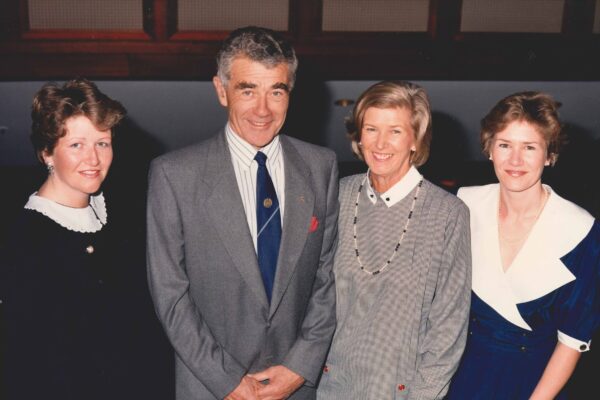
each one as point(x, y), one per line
point(314, 224)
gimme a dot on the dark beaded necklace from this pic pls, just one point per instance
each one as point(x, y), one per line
point(389, 261)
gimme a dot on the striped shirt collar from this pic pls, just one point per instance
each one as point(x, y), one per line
point(244, 152)
point(397, 192)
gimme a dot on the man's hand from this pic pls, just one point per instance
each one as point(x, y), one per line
point(282, 382)
point(246, 390)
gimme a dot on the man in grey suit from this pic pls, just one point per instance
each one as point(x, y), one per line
point(235, 335)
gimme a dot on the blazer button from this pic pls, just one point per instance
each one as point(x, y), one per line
point(401, 387)
point(523, 348)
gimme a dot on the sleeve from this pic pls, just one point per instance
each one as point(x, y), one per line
point(578, 309)
point(445, 336)
point(191, 338)
point(307, 355)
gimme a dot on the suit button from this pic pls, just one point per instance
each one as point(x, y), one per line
point(523, 348)
point(401, 387)
point(326, 369)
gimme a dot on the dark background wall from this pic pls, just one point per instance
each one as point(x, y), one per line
point(176, 113)
point(166, 115)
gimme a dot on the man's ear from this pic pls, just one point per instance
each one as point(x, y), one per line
point(220, 89)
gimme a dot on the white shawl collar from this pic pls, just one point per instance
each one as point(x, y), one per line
point(537, 269)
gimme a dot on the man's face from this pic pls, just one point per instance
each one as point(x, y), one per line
point(257, 98)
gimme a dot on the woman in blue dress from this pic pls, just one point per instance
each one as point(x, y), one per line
point(536, 258)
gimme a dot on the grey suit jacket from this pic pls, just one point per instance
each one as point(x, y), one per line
point(204, 276)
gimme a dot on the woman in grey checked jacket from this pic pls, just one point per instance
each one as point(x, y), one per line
point(403, 264)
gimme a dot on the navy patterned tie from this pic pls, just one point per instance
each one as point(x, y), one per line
point(268, 223)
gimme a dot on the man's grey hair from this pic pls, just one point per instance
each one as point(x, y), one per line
point(258, 44)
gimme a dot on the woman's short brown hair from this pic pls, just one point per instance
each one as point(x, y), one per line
point(392, 94)
point(53, 105)
point(536, 108)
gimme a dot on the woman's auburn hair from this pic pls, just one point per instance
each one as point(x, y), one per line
point(53, 105)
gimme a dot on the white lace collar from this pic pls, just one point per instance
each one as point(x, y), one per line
point(86, 220)
point(537, 269)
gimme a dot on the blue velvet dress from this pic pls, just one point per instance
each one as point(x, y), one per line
point(503, 360)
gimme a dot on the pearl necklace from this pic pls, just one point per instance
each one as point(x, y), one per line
point(389, 261)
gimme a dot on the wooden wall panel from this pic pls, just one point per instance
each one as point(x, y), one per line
point(169, 39)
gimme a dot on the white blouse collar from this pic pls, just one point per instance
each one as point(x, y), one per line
point(86, 220)
point(397, 192)
point(537, 269)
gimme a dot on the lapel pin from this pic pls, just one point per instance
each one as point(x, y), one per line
point(267, 202)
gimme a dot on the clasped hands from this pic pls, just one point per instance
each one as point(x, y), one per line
point(282, 382)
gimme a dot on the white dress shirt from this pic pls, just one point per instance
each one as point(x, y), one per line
point(245, 167)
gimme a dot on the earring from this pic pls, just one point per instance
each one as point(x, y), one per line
point(50, 168)
point(359, 143)
point(490, 158)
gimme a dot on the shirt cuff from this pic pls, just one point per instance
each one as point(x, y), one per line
point(573, 343)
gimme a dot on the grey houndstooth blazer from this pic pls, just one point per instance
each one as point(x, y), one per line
point(400, 333)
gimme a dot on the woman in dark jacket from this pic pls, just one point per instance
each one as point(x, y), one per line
point(77, 318)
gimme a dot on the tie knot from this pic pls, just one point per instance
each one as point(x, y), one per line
point(261, 158)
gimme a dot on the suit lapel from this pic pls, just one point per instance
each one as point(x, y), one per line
point(299, 205)
point(225, 208)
